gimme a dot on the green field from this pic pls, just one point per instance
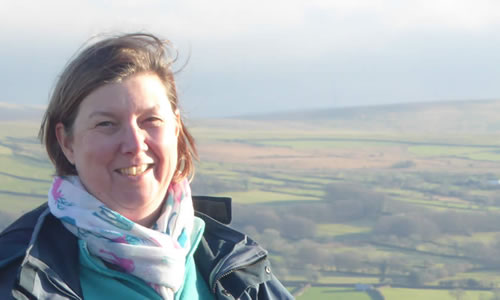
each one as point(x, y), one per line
point(16, 205)
point(347, 280)
point(256, 196)
point(408, 188)
point(419, 294)
point(333, 230)
point(323, 293)
point(472, 153)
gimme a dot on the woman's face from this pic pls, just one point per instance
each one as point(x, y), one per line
point(124, 145)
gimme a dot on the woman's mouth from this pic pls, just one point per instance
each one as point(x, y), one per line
point(134, 170)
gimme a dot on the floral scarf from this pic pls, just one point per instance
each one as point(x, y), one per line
point(155, 255)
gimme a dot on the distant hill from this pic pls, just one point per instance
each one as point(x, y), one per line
point(17, 112)
point(474, 116)
point(454, 116)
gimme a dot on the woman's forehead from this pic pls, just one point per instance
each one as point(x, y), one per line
point(138, 94)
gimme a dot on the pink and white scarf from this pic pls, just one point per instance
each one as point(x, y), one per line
point(156, 255)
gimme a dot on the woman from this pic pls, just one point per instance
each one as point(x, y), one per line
point(119, 221)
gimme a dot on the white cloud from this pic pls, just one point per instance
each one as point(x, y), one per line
point(336, 23)
point(346, 44)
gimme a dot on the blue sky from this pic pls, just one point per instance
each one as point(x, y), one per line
point(271, 55)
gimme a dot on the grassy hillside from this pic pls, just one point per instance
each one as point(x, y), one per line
point(405, 197)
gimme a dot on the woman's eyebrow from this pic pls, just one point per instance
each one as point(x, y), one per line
point(158, 109)
point(152, 109)
point(101, 113)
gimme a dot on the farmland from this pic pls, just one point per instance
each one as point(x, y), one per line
point(408, 206)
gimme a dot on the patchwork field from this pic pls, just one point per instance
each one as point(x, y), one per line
point(334, 205)
point(333, 293)
point(418, 294)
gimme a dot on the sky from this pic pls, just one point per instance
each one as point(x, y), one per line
point(260, 56)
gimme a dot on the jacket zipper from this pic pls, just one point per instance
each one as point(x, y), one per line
point(40, 267)
point(234, 270)
point(55, 284)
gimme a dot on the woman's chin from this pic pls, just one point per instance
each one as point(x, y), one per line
point(140, 201)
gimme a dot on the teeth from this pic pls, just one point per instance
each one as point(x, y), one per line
point(133, 171)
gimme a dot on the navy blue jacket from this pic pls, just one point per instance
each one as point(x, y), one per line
point(39, 258)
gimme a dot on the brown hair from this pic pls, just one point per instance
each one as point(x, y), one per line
point(111, 60)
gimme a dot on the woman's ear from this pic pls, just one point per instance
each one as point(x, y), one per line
point(65, 142)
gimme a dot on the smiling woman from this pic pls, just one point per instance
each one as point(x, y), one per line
point(120, 219)
point(124, 145)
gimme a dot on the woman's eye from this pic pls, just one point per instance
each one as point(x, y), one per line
point(154, 121)
point(105, 124)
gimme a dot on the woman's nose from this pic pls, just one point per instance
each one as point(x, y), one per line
point(134, 140)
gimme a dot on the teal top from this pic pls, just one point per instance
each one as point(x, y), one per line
point(100, 282)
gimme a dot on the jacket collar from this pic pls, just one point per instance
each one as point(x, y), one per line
point(224, 250)
point(218, 208)
point(52, 250)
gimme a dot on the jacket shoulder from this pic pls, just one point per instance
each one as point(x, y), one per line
point(14, 241)
point(15, 238)
point(233, 264)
